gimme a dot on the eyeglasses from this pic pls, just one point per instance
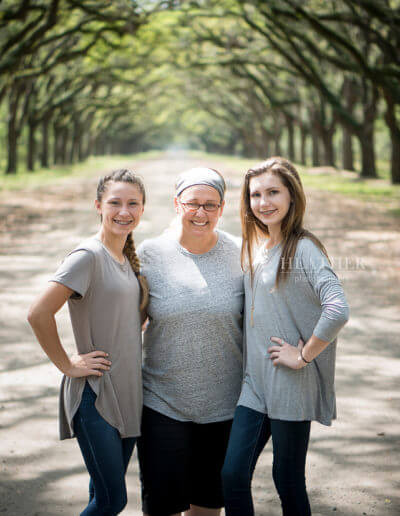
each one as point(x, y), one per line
point(194, 206)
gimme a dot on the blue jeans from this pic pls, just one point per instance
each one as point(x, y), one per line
point(106, 456)
point(249, 435)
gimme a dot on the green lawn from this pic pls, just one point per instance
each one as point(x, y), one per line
point(378, 190)
point(94, 166)
point(368, 189)
point(374, 190)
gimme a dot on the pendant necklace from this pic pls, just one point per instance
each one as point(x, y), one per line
point(267, 254)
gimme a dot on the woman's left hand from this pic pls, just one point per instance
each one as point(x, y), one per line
point(285, 354)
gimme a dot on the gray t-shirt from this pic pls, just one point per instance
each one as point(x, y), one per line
point(310, 302)
point(105, 316)
point(192, 368)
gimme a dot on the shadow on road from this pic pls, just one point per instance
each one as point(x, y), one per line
point(352, 467)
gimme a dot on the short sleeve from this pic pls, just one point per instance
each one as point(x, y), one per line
point(144, 252)
point(327, 287)
point(141, 251)
point(76, 272)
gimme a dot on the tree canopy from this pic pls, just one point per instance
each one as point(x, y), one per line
point(304, 78)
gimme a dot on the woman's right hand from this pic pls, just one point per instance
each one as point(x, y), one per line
point(88, 364)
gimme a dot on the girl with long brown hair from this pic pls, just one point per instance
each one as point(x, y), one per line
point(295, 307)
point(101, 391)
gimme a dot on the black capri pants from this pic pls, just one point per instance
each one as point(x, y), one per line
point(180, 463)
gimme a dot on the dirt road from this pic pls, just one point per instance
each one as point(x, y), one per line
point(353, 466)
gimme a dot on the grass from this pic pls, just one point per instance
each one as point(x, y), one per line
point(349, 184)
point(365, 189)
point(372, 190)
point(395, 212)
point(378, 190)
point(94, 166)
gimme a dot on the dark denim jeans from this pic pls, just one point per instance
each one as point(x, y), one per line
point(106, 457)
point(249, 435)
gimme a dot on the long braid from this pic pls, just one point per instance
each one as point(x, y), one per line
point(130, 253)
point(128, 176)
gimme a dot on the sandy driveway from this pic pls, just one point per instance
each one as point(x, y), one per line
point(353, 467)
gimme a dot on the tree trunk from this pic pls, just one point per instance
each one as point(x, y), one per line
point(98, 146)
point(91, 146)
point(64, 145)
point(265, 143)
point(303, 144)
point(69, 144)
point(12, 148)
point(366, 139)
point(249, 146)
point(45, 142)
point(74, 151)
point(366, 135)
point(290, 134)
point(230, 146)
point(88, 146)
point(350, 94)
point(315, 137)
point(315, 146)
point(92, 143)
point(31, 146)
point(277, 143)
point(56, 143)
point(327, 140)
point(395, 164)
point(390, 117)
point(12, 135)
point(347, 149)
point(322, 131)
point(88, 138)
point(81, 153)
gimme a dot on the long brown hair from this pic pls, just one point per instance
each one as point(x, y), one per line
point(128, 176)
point(292, 229)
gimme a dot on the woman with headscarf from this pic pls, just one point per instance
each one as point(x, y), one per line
point(192, 368)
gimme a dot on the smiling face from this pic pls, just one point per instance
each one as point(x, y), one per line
point(121, 208)
point(200, 223)
point(269, 199)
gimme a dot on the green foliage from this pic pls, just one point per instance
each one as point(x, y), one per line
point(230, 76)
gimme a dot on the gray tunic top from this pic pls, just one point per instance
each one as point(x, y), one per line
point(105, 316)
point(192, 368)
point(310, 302)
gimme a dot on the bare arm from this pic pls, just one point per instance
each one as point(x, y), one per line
point(42, 319)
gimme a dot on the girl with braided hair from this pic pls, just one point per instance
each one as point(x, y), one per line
point(101, 391)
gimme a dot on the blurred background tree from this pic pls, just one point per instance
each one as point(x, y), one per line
point(317, 81)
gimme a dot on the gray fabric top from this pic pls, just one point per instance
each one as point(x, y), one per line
point(105, 316)
point(310, 302)
point(192, 363)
